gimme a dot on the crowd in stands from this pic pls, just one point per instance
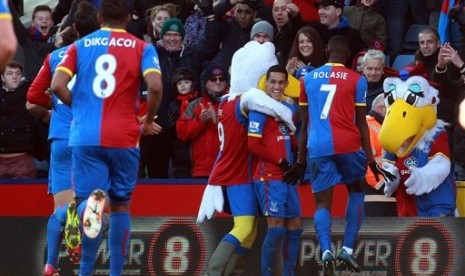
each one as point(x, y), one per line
point(196, 40)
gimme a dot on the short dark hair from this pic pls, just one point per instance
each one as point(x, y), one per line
point(13, 64)
point(85, 19)
point(114, 10)
point(278, 68)
point(39, 8)
point(338, 49)
point(431, 30)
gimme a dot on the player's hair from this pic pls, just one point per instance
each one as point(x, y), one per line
point(85, 19)
point(374, 54)
point(39, 8)
point(278, 68)
point(114, 11)
point(431, 30)
point(338, 49)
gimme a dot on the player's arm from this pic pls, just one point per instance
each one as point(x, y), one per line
point(257, 123)
point(59, 86)
point(38, 93)
point(360, 121)
point(154, 95)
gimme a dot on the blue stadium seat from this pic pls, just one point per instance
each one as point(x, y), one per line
point(403, 60)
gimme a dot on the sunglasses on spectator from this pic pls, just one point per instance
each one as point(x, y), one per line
point(215, 79)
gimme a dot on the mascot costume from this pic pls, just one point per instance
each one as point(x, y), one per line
point(249, 64)
point(417, 148)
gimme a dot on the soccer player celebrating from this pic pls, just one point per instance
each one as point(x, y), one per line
point(270, 141)
point(60, 168)
point(109, 64)
point(335, 134)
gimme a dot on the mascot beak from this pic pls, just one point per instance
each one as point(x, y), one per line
point(404, 126)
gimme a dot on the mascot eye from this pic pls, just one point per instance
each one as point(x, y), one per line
point(414, 94)
point(390, 94)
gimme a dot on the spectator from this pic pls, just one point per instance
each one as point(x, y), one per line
point(429, 47)
point(18, 129)
point(198, 124)
point(450, 73)
point(38, 41)
point(376, 203)
point(287, 19)
point(367, 21)
point(306, 52)
point(8, 43)
point(156, 16)
point(173, 54)
point(373, 69)
point(224, 37)
point(333, 23)
point(184, 86)
point(357, 63)
point(308, 10)
point(262, 31)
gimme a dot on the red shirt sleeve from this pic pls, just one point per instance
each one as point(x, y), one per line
point(37, 93)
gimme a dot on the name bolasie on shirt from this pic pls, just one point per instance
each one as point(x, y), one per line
point(330, 75)
point(113, 41)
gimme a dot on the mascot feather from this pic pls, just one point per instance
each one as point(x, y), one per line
point(248, 65)
point(417, 148)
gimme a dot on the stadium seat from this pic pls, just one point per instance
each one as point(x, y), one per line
point(403, 60)
point(410, 44)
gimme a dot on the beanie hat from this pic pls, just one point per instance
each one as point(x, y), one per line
point(212, 69)
point(262, 27)
point(182, 73)
point(173, 24)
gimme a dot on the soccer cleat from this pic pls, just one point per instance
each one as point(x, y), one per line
point(92, 220)
point(50, 271)
point(74, 254)
point(72, 233)
point(348, 261)
point(329, 266)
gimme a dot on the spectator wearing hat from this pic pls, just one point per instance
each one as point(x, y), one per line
point(286, 16)
point(333, 23)
point(262, 32)
point(198, 124)
point(224, 37)
point(183, 84)
point(157, 150)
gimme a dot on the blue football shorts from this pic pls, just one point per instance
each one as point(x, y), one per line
point(278, 199)
point(327, 171)
point(242, 200)
point(59, 177)
point(111, 169)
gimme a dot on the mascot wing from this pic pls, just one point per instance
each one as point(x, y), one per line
point(256, 100)
point(212, 201)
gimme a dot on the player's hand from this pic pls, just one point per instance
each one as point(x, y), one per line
point(377, 170)
point(294, 174)
point(150, 128)
point(284, 165)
